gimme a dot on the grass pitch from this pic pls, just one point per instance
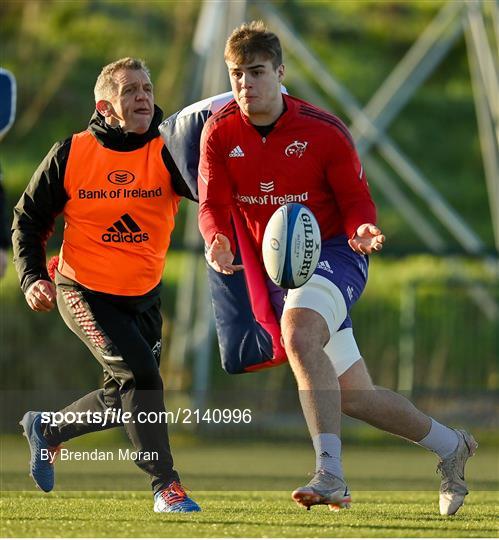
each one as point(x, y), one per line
point(243, 514)
point(244, 491)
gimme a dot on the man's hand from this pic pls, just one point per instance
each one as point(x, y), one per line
point(367, 239)
point(220, 257)
point(41, 295)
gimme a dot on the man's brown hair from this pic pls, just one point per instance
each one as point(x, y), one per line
point(106, 87)
point(251, 40)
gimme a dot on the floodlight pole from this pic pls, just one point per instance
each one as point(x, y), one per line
point(194, 324)
point(205, 46)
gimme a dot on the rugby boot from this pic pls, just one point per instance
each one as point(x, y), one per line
point(42, 454)
point(453, 488)
point(324, 488)
point(174, 499)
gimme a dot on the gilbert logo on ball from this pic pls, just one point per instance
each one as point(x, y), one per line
point(291, 246)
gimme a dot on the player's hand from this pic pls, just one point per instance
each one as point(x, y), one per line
point(41, 295)
point(367, 239)
point(220, 257)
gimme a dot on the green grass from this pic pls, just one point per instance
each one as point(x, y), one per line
point(242, 514)
point(244, 490)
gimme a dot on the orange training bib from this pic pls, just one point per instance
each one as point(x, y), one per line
point(119, 216)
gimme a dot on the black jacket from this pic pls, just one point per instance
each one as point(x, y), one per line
point(45, 197)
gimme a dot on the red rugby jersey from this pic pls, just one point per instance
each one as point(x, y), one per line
point(309, 157)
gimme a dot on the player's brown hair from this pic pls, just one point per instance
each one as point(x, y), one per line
point(250, 40)
point(106, 86)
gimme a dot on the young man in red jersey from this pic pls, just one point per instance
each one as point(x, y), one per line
point(265, 147)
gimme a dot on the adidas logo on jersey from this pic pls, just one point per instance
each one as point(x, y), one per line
point(125, 230)
point(236, 152)
point(324, 265)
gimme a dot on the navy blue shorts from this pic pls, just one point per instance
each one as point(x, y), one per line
point(340, 265)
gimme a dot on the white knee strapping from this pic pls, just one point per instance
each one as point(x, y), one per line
point(342, 350)
point(322, 296)
point(325, 298)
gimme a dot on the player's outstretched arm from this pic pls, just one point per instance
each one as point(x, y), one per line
point(41, 295)
point(220, 257)
point(367, 239)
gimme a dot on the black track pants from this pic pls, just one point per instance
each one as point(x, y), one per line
point(126, 340)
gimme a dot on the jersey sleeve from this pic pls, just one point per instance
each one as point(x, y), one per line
point(35, 213)
point(347, 178)
point(215, 191)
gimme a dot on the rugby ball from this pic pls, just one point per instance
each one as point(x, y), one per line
point(291, 246)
